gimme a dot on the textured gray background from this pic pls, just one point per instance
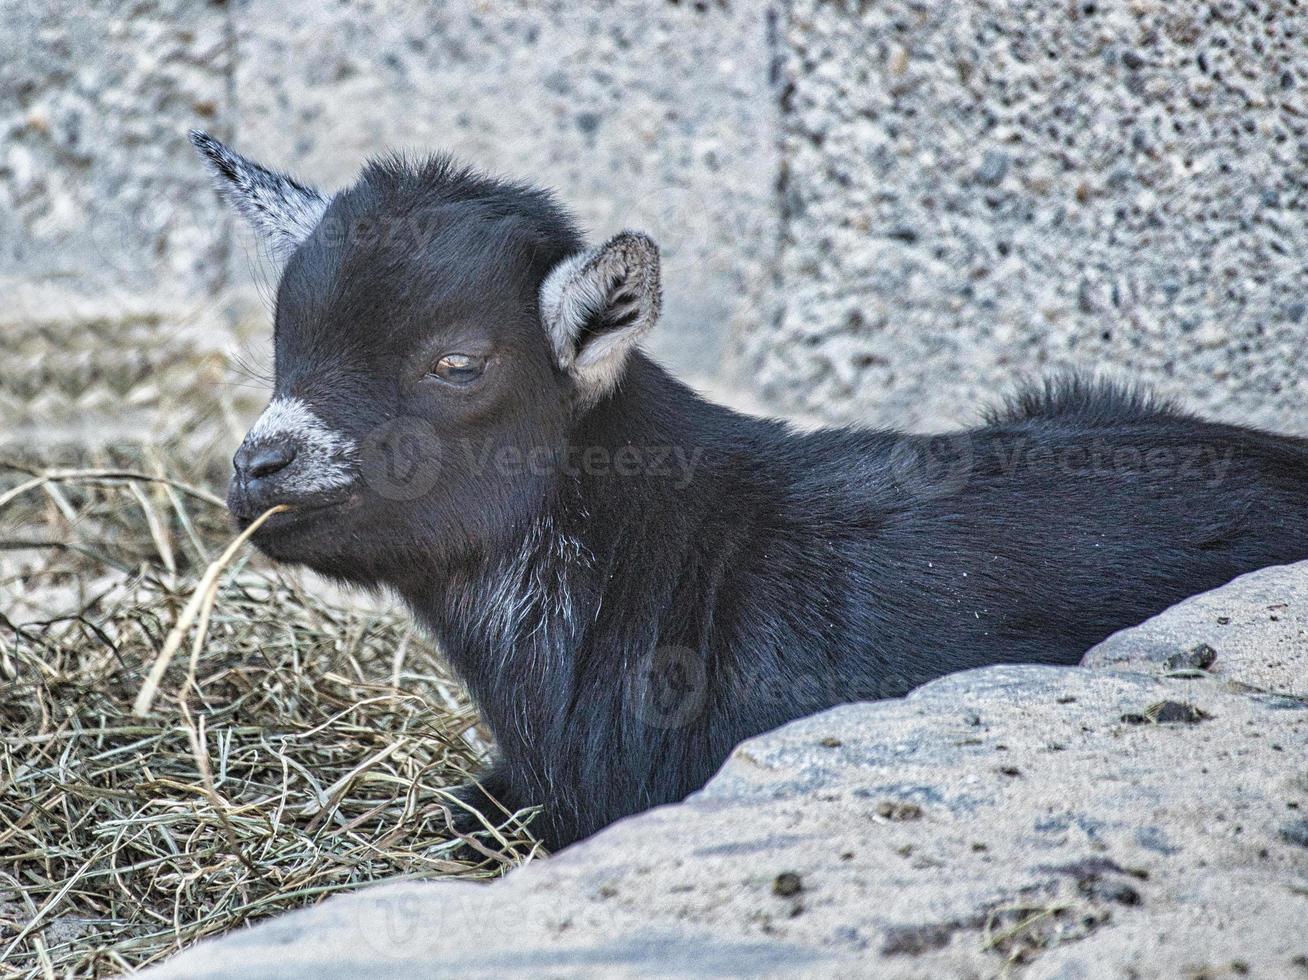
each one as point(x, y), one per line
point(129, 292)
point(111, 242)
point(878, 210)
point(979, 190)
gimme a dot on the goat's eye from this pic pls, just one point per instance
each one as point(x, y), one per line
point(459, 369)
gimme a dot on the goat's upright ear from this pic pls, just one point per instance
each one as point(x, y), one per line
point(597, 304)
point(282, 211)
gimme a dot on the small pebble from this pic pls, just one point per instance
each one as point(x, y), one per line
point(1295, 832)
point(994, 165)
point(1198, 657)
point(898, 812)
point(786, 884)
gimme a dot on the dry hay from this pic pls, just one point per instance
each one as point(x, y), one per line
point(304, 748)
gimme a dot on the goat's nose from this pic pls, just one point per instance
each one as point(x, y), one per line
point(262, 460)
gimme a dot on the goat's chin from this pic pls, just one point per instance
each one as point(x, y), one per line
point(310, 536)
point(287, 550)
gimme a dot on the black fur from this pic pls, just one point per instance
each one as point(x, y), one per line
point(672, 577)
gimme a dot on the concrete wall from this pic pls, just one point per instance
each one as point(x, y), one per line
point(977, 190)
point(129, 291)
point(112, 246)
point(869, 210)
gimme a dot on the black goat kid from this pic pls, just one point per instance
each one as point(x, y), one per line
point(630, 579)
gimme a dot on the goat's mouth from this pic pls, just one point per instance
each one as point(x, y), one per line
point(301, 515)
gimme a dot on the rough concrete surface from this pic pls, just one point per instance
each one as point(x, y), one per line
point(1022, 821)
point(130, 291)
point(892, 209)
point(111, 242)
point(1252, 632)
point(980, 190)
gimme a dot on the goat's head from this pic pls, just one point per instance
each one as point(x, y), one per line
point(437, 334)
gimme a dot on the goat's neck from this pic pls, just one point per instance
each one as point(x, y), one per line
point(514, 624)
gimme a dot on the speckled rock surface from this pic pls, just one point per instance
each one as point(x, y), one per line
point(1253, 632)
point(975, 191)
point(892, 210)
point(1042, 821)
point(111, 243)
point(128, 288)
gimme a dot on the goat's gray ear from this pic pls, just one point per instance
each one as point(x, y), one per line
point(597, 304)
point(282, 211)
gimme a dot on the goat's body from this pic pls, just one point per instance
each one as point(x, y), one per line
point(664, 577)
point(787, 573)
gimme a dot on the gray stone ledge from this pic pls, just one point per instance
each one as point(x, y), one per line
point(1048, 820)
